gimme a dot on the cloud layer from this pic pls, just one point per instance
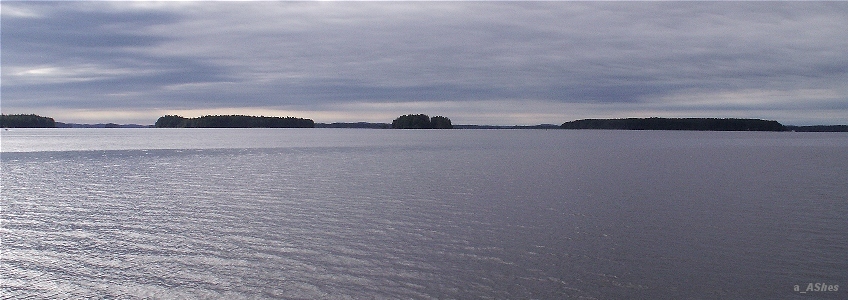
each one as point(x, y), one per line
point(490, 63)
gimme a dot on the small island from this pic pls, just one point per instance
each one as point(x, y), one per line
point(233, 121)
point(696, 124)
point(421, 121)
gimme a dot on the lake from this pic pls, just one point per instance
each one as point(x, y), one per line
point(423, 214)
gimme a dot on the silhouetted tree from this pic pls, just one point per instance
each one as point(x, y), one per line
point(170, 121)
point(439, 122)
point(421, 121)
point(26, 121)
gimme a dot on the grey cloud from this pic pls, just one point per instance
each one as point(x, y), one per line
point(265, 54)
point(64, 30)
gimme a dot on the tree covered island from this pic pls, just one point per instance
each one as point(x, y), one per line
point(421, 121)
point(699, 124)
point(233, 121)
point(26, 121)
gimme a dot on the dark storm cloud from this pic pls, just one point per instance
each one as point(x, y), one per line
point(666, 58)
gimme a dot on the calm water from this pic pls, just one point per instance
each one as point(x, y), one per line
point(466, 214)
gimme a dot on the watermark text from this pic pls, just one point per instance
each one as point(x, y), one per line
point(816, 287)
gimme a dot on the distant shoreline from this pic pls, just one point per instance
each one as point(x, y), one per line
point(696, 124)
point(691, 124)
point(688, 124)
point(365, 125)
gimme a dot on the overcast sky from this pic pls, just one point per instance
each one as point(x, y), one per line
point(500, 63)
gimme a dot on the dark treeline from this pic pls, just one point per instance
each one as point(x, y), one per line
point(421, 121)
point(233, 121)
point(702, 124)
point(819, 128)
point(26, 121)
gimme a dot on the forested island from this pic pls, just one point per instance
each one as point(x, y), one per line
point(26, 121)
point(697, 124)
point(421, 121)
point(233, 121)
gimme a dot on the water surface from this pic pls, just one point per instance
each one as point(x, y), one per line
point(358, 213)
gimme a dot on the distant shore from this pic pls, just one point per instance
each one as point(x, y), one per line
point(692, 124)
point(696, 124)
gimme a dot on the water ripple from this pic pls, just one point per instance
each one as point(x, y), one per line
point(486, 221)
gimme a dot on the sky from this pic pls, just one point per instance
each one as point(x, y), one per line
point(495, 63)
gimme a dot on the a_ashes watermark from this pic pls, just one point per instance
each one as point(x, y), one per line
point(814, 287)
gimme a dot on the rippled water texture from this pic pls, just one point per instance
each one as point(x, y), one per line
point(352, 214)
